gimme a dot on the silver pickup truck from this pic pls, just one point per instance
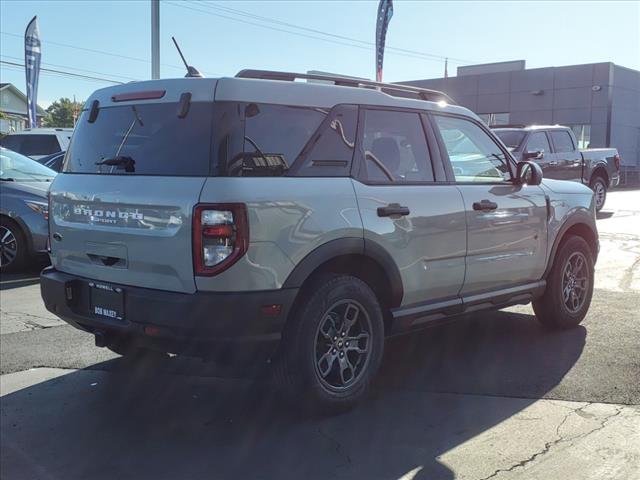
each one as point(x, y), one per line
point(554, 148)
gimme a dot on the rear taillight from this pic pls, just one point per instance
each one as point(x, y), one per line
point(616, 159)
point(220, 236)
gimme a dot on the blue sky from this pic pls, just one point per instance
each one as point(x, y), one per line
point(221, 42)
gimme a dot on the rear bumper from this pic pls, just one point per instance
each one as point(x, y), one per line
point(174, 322)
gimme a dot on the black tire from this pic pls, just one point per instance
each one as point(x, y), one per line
point(555, 309)
point(316, 325)
point(13, 246)
point(599, 187)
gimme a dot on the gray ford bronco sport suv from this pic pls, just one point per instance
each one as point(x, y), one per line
point(309, 219)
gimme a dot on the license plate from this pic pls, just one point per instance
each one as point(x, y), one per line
point(106, 301)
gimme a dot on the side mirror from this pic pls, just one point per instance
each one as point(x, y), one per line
point(533, 154)
point(528, 173)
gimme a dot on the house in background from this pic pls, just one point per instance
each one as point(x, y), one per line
point(13, 105)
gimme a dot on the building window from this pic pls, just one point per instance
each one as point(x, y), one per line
point(494, 119)
point(583, 135)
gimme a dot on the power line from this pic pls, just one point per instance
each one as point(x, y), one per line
point(335, 38)
point(103, 52)
point(320, 32)
point(78, 69)
point(68, 74)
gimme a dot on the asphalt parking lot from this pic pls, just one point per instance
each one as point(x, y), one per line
point(489, 396)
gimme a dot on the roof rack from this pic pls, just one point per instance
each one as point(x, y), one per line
point(389, 88)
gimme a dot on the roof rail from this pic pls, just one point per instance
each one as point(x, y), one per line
point(509, 125)
point(389, 88)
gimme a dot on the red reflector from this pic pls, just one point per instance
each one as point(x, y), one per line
point(151, 331)
point(271, 310)
point(616, 158)
point(145, 95)
point(224, 231)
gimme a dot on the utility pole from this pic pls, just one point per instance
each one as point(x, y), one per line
point(155, 39)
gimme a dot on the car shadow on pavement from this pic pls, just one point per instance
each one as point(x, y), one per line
point(29, 275)
point(147, 421)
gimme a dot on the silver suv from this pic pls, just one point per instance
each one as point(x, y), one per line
point(304, 220)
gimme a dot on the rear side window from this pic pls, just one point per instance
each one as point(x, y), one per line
point(274, 136)
point(32, 144)
point(395, 148)
point(144, 139)
point(562, 141)
point(329, 152)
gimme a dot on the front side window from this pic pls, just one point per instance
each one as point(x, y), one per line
point(473, 154)
point(562, 141)
point(538, 143)
point(511, 138)
point(395, 148)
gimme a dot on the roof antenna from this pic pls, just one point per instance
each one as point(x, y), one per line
point(191, 71)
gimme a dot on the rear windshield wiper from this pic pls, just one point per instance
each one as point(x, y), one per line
point(7, 179)
point(120, 161)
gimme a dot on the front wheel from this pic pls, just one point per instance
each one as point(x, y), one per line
point(599, 187)
point(332, 346)
point(569, 286)
point(13, 246)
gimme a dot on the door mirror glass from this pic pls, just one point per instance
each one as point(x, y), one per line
point(529, 173)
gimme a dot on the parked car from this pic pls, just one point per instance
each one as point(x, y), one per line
point(24, 211)
point(38, 142)
point(554, 148)
point(54, 162)
point(216, 216)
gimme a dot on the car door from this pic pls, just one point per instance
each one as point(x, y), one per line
point(539, 142)
point(568, 158)
point(506, 221)
point(418, 221)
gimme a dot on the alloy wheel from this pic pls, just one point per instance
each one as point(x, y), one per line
point(575, 282)
point(8, 246)
point(600, 193)
point(343, 345)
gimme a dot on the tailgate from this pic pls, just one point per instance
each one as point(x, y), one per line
point(131, 230)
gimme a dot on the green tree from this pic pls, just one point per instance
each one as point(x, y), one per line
point(62, 113)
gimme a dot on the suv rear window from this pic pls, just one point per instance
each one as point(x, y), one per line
point(29, 145)
point(144, 139)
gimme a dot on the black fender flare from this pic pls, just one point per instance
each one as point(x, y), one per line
point(575, 219)
point(349, 246)
point(595, 171)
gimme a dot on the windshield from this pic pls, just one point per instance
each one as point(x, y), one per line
point(145, 139)
point(16, 167)
point(511, 138)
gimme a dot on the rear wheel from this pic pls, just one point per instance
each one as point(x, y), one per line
point(569, 286)
point(599, 187)
point(13, 246)
point(332, 346)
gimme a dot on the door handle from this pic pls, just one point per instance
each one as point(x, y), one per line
point(485, 205)
point(393, 210)
point(553, 163)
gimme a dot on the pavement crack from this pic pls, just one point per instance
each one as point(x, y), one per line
point(339, 449)
point(558, 440)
